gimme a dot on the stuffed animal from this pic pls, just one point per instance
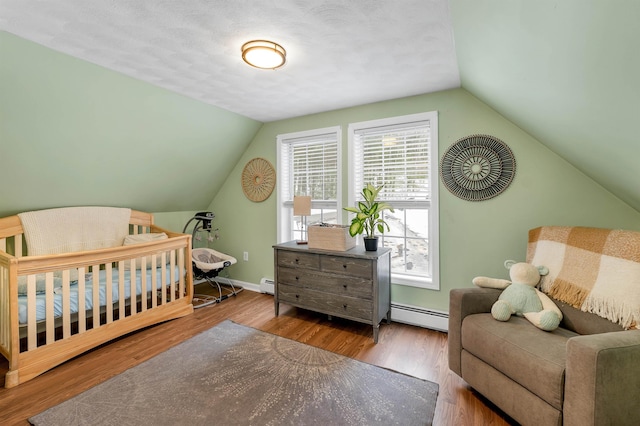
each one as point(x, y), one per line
point(521, 297)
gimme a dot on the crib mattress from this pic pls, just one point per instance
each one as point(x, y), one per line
point(115, 296)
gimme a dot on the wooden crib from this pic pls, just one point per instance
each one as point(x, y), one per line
point(88, 297)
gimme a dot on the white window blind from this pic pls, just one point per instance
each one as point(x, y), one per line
point(310, 167)
point(397, 156)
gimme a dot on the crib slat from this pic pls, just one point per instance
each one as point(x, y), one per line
point(132, 286)
point(154, 281)
point(109, 293)
point(66, 305)
point(181, 276)
point(163, 276)
point(32, 340)
point(121, 298)
point(139, 229)
point(5, 330)
point(95, 286)
point(50, 316)
point(17, 244)
point(172, 268)
point(3, 244)
point(143, 284)
point(82, 315)
point(5, 324)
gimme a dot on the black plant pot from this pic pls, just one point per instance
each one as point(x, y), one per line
point(371, 244)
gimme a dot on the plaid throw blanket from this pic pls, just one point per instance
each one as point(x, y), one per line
point(594, 270)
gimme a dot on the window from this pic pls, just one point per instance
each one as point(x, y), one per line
point(401, 153)
point(309, 163)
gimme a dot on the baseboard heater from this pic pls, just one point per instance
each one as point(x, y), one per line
point(267, 286)
point(415, 315)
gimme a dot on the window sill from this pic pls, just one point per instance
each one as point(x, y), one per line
point(413, 281)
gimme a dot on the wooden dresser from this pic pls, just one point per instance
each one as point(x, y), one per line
point(353, 284)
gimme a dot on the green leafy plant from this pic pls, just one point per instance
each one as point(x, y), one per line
point(368, 212)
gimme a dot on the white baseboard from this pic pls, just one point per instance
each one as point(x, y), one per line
point(245, 285)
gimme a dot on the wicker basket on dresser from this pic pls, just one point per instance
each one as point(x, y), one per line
point(353, 284)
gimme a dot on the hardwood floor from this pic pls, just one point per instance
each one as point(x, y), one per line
point(412, 350)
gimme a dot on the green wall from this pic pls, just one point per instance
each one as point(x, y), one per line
point(475, 237)
point(74, 133)
point(565, 72)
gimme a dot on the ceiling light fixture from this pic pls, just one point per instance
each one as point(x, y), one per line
point(264, 54)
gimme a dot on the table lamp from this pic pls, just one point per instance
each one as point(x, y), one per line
point(302, 208)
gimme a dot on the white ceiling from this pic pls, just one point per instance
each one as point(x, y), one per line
point(340, 53)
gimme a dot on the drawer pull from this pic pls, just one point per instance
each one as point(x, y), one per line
point(297, 296)
point(297, 278)
point(345, 286)
point(344, 306)
point(297, 260)
point(344, 266)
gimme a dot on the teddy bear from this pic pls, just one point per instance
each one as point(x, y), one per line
point(521, 297)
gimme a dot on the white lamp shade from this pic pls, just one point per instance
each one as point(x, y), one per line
point(301, 205)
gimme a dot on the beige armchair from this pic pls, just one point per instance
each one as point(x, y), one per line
point(586, 372)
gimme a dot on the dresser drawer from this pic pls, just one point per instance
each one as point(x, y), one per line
point(298, 260)
point(326, 282)
point(341, 306)
point(347, 265)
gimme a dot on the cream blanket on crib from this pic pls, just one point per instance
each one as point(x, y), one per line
point(594, 270)
point(72, 229)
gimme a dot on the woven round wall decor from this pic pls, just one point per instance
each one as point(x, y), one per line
point(258, 179)
point(477, 167)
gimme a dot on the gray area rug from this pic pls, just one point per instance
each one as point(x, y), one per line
point(235, 375)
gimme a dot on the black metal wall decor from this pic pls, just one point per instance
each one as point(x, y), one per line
point(477, 167)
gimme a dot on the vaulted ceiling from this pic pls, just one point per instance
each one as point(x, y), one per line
point(340, 53)
point(564, 71)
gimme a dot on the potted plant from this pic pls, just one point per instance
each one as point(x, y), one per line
point(368, 217)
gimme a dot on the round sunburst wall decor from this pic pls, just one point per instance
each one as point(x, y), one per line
point(477, 167)
point(258, 179)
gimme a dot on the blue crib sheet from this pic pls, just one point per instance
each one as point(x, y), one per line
point(73, 296)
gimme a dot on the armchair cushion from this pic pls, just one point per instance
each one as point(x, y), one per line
point(533, 359)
